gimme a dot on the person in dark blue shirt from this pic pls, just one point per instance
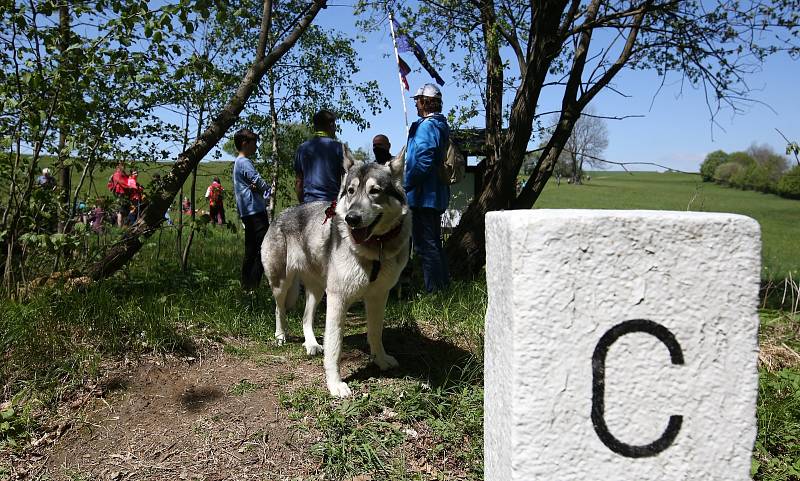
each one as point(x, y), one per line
point(318, 164)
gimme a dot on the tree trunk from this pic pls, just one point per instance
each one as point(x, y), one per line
point(179, 232)
point(65, 181)
point(193, 215)
point(576, 169)
point(273, 116)
point(193, 194)
point(494, 83)
point(153, 215)
point(466, 247)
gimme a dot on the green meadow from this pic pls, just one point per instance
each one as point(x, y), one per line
point(779, 218)
point(421, 422)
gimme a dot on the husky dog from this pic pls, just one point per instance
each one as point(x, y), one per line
point(352, 249)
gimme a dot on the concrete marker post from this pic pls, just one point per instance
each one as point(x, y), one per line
point(620, 345)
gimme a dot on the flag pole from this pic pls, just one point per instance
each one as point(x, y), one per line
point(397, 60)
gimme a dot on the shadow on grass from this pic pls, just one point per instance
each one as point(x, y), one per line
point(437, 362)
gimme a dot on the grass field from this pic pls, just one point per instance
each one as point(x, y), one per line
point(779, 218)
point(422, 422)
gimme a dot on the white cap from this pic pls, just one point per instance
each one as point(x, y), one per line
point(428, 90)
point(45, 171)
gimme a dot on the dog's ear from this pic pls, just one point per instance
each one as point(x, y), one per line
point(349, 158)
point(397, 164)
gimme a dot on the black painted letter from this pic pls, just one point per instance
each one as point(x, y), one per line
point(599, 381)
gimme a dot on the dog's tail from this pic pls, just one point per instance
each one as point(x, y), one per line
point(274, 253)
point(293, 294)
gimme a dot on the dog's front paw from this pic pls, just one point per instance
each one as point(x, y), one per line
point(386, 362)
point(313, 349)
point(280, 339)
point(339, 389)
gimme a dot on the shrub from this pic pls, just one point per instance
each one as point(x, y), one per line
point(709, 166)
point(739, 177)
point(759, 178)
point(742, 158)
point(724, 172)
point(772, 162)
point(789, 185)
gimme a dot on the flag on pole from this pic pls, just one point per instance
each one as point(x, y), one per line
point(401, 75)
point(404, 70)
point(407, 44)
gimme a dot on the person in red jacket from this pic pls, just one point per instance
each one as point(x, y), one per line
point(216, 207)
point(118, 185)
point(134, 191)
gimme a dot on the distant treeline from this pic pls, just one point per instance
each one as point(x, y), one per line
point(758, 168)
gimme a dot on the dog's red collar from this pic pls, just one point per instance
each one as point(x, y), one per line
point(330, 212)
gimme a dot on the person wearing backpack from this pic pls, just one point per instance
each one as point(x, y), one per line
point(428, 194)
point(216, 209)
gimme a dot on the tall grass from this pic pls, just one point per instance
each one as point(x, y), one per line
point(148, 307)
point(430, 414)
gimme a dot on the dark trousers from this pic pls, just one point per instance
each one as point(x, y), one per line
point(426, 237)
point(255, 228)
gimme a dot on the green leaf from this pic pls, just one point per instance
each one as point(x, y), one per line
point(754, 467)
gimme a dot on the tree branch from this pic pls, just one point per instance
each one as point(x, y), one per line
point(266, 26)
point(153, 215)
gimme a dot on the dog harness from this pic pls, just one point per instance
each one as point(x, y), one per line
point(378, 240)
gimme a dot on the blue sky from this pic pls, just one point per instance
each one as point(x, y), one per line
point(675, 132)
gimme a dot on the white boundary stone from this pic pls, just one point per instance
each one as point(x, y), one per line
point(558, 281)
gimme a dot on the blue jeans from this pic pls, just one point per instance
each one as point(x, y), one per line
point(426, 236)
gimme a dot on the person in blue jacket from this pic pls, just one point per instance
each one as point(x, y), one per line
point(428, 196)
point(250, 191)
point(318, 165)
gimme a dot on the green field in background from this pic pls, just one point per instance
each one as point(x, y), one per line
point(779, 218)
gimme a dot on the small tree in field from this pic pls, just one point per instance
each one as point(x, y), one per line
point(710, 164)
point(772, 164)
point(588, 140)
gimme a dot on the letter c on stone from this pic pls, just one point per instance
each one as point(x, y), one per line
point(599, 380)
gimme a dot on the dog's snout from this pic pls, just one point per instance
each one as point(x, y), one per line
point(352, 219)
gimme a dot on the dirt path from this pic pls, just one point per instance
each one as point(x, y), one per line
point(215, 416)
